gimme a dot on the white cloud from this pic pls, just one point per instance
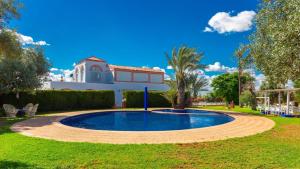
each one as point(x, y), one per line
point(158, 68)
point(259, 80)
point(167, 77)
point(54, 77)
point(60, 73)
point(169, 67)
point(53, 69)
point(208, 87)
point(41, 43)
point(218, 67)
point(28, 40)
point(207, 29)
point(223, 22)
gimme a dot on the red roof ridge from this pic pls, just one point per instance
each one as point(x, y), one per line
point(134, 68)
point(93, 59)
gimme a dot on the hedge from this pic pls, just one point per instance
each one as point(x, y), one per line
point(58, 100)
point(135, 99)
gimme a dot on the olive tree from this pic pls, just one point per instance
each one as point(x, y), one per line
point(26, 72)
point(275, 44)
point(20, 68)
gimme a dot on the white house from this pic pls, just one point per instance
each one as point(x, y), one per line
point(95, 74)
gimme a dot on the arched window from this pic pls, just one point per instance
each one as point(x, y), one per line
point(96, 73)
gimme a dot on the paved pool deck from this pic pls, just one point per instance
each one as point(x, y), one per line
point(49, 127)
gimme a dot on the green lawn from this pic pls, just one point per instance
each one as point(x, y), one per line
point(277, 148)
point(236, 109)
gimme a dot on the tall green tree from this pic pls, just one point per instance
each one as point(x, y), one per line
point(184, 61)
point(20, 68)
point(195, 84)
point(25, 72)
point(275, 43)
point(227, 86)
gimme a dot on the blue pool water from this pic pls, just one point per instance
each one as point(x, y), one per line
point(147, 120)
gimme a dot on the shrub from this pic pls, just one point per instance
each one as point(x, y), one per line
point(136, 99)
point(171, 96)
point(57, 100)
point(2, 113)
point(245, 98)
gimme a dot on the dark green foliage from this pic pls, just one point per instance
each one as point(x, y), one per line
point(227, 86)
point(297, 85)
point(55, 100)
point(136, 99)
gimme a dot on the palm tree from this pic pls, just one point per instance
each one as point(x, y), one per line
point(183, 62)
point(242, 59)
point(196, 83)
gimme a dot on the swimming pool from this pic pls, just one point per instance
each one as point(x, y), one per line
point(158, 120)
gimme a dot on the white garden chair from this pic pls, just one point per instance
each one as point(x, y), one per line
point(34, 110)
point(10, 110)
point(28, 108)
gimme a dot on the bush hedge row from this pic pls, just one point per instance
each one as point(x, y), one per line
point(135, 99)
point(57, 100)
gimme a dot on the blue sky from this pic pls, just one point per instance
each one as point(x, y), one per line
point(135, 32)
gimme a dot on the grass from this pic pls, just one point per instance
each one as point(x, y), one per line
point(235, 109)
point(277, 148)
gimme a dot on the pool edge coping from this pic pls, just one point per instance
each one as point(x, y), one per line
point(137, 136)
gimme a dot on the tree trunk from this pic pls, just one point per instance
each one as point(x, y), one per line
point(253, 98)
point(195, 94)
point(240, 85)
point(181, 93)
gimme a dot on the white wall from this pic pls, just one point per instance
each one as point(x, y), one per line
point(81, 74)
point(140, 77)
point(156, 78)
point(123, 76)
point(117, 87)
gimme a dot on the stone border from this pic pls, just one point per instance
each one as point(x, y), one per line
point(49, 127)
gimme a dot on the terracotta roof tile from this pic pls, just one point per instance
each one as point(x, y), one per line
point(92, 58)
point(113, 67)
